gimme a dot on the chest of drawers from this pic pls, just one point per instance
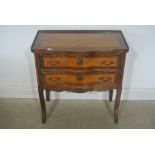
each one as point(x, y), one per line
point(79, 61)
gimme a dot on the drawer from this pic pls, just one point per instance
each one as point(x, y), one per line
point(81, 61)
point(77, 79)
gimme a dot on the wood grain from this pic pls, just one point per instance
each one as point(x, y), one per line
point(79, 61)
point(59, 79)
point(80, 40)
point(49, 61)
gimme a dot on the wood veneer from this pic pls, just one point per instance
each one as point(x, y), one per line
point(79, 61)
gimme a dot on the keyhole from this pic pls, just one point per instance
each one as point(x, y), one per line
point(79, 77)
point(79, 61)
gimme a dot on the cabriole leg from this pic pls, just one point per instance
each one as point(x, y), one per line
point(47, 95)
point(110, 94)
point(42, 103)
point(117, 103)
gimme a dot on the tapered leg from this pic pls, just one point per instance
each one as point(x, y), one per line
point(47, 95)
point(42, 103)
point(110, 94)
point(117, 102)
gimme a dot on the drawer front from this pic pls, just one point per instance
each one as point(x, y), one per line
point(50, 62)
point(77, 79)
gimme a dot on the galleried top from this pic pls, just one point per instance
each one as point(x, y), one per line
point(79, 40)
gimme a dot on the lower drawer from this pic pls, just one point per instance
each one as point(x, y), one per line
point(80, 81)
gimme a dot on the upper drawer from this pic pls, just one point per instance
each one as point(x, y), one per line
point(80, 61)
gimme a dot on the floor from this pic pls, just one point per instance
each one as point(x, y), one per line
point(76, 114)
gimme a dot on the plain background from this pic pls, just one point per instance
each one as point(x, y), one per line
point(77, 12)
point(18, 76)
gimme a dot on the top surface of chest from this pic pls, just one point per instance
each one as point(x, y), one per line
point(83, 40)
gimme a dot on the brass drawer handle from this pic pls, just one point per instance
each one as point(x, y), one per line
point(79, 77)
point(80, 61)
point(54, 79)
point(105, 79)
point(107, 63)
point(54, 63)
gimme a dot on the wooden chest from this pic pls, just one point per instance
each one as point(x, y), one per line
point(79, 61)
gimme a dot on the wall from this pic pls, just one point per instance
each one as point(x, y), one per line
point(17, 72)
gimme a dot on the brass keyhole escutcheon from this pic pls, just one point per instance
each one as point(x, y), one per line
point(79, 77)
point(80, 61)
